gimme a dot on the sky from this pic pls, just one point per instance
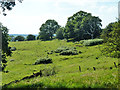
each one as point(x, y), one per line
point(28, 16)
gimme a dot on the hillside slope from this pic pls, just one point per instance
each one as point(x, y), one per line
point(64, 71)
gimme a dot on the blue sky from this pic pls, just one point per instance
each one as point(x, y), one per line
point(27, 17)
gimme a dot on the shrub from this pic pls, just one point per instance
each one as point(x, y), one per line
point(30, 37)
point(48, 71)
point(19, 38)
point(66, 51)
point(91, 42)
point(43, 61)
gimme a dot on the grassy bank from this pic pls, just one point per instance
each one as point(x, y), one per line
point(65, 67)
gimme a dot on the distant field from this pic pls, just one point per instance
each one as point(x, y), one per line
point(64, 71)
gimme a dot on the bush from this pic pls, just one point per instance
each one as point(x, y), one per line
point(69, 52)
point(30, 37)
point(19, 38)
point(43, 61)
point(91, 42)
point(48, 71)
point(66, 51)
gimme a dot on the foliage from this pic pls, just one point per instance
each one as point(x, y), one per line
point(48, 29)
point(43, 36)
point(30, 37)
point(19, 38)
point(45, 60)
point(112, 40)
point(106, 31)
point(91, 42)
point(66, 51)
point(59, 33)
point(83, 25)
point(48, 71)
point(5, 48)
point(7, 5)
point(69, 52)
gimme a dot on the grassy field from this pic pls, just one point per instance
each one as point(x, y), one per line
point(64, 69)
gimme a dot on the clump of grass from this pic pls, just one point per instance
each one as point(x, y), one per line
point(48, 71)
point(69, 52)
point(44, 60)
point(66, 51)
point(91, 42)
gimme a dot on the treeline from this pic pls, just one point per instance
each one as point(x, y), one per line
point(22, 38)
point(81, 25)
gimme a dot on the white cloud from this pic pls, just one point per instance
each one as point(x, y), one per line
point(31, 14)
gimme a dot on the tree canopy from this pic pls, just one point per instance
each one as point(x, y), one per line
point(30, 37)
point(60, 33)
point(5, 49)
point(19, 38)
point(48, 29)
point(111, 36)
point(7, 5)
point(83, 25)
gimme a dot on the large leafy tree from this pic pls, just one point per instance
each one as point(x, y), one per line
point(83, 25)
point(112, 40)
point(48, 29)
point(5, 49)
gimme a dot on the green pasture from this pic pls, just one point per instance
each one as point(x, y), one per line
point(66, 67)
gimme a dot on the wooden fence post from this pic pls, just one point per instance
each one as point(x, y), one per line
point(115, 64)
point(94, 68)
point(79, 68)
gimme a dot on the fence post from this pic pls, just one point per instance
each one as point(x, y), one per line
point(79, 68)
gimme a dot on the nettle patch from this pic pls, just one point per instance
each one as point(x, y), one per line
point(66, 51)
point(44, 60)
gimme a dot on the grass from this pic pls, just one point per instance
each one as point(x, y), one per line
point(67, 74)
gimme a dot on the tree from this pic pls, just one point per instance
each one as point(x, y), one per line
point(106, 31)
point(112, 40)
point(83, 25)
point(48, 29)
point(5, 49)
point(30, 37)
point(59, 33)
point(91, 26)
point(7, 5)
point(19, 38)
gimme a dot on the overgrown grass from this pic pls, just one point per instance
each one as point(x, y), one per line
point(91, 42)
point(64, 70)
